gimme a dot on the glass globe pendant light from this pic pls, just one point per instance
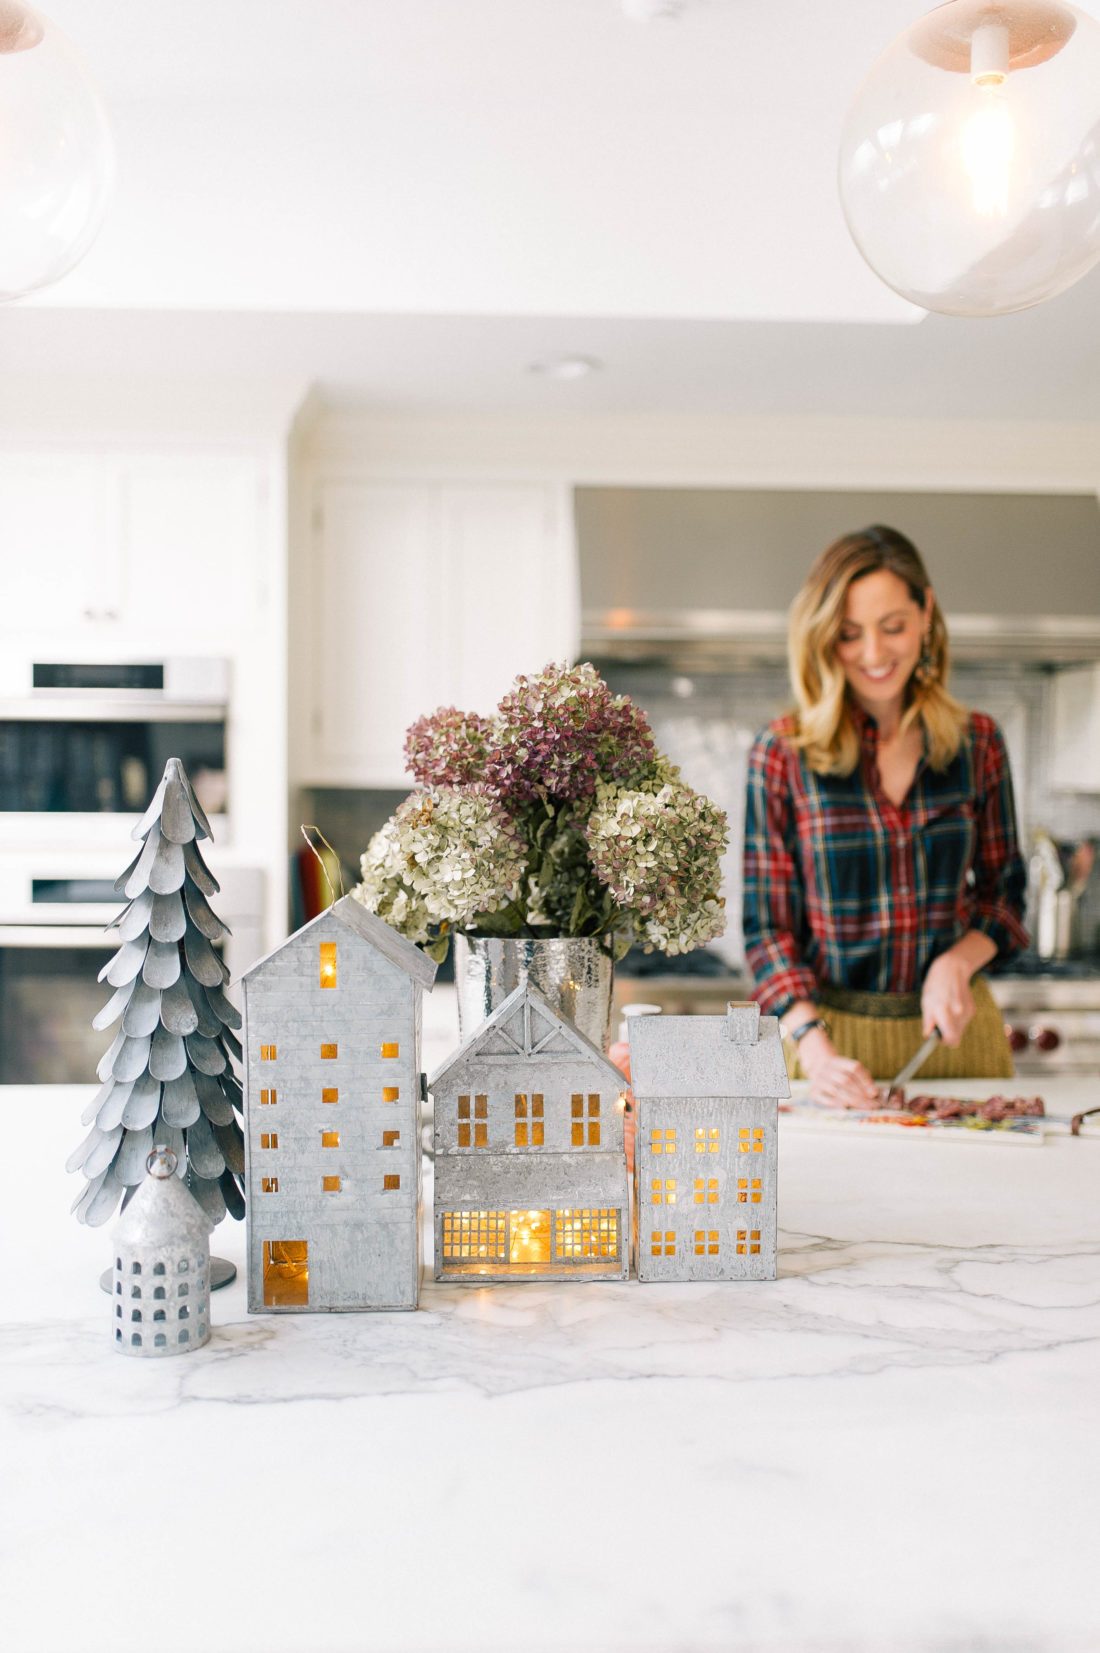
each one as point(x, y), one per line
point(56, 155)
point(970, 157)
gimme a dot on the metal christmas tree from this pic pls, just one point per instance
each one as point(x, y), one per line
point(168, 1079)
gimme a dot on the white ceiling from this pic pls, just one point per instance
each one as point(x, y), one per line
point(409, 201)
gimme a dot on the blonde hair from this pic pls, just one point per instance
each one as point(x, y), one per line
point(826, 732)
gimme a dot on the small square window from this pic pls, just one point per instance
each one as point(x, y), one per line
point(330, 1139)
point(269, 1185)
point(328, 1053)
point(390, 1139)
point(330, 1185)
point(269, 1139)
point(390, 1182)
point(330, 1094)
point(391, 1050)
point(390, 1093)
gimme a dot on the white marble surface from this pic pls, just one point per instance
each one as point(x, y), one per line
point(893, 1448)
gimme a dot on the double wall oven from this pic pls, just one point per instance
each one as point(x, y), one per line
point(83, 745)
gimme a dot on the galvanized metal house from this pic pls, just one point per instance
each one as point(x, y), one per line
point(706, 1092)
point(333, 1102)
point(530, 1172)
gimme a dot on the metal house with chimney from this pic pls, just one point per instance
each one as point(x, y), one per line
point(333, 1094)
point(706, 1094)
point(530, 1172)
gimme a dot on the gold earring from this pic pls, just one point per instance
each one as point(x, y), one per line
point(924, 672)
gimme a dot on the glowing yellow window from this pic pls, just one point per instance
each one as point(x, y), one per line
point(521, 1120)
point(390, 1093)
point(707, 1139)
point(463, 1118)
point(390, 1182)
point(267, 1053)
point(328, 1053)
point(744, 1140)
point(286, 1274)
point(391, 1050)
point(330, 1139)
point(331, 1185)
point(586, 1235)
point(664, 1192)
point(330, 1094)
point(474, 1234)
point(537, 1121)
point(269, 1139)
point(593, 1121)
point(706, 1190)
point(328, 964)
point(758, 1140)
point(743, 1194)
point(529, 1236)
point(269, 1185)
point(662, 1142)
point(268, 1098)
point(706, 1242)
point(756, 1191)
point(662, 1243)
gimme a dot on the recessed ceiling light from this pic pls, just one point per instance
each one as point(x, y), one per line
point(566, 367)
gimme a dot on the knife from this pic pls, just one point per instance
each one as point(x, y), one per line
point(918, 1060)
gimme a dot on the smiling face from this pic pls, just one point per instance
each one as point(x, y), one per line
point(879, 642)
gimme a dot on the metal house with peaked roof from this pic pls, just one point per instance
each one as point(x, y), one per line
point(530, 1171)
point(332, 1102)
point(706, 1101)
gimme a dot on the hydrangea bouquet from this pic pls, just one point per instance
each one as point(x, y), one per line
point(555, 817)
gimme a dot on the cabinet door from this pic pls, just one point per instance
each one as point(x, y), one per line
point(380, 628)
point(191, 542)
point(513, 597)
point(60, 572)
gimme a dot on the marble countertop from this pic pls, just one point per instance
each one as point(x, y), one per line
point(893, 1448)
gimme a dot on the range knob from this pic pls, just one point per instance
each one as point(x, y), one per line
point(1045, 1038)
point(1017, 1039)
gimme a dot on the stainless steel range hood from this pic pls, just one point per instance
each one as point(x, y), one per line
point(701, 579)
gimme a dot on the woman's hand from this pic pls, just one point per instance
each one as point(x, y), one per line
point(946, 1001)
point(838, 1081)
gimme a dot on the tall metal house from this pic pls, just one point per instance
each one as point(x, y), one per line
point(332, 1100)
point(530, 1172)
point(706, 1091)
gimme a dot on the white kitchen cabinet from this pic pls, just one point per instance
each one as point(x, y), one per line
point(124, 551)
point(427, 594)
point(1075, 761)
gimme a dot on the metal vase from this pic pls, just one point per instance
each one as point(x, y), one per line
point(572, 973)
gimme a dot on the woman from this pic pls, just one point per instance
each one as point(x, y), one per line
point(881, 865)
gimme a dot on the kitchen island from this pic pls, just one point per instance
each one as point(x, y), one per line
point(893, 1447)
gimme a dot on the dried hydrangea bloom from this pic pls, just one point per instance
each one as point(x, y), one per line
point(443, 857)
point(658, 854)
point(560, 733)
point(448, 748)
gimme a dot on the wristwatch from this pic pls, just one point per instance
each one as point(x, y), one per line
point(803, 1028)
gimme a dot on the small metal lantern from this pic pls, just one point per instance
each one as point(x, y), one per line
point(161, 1290)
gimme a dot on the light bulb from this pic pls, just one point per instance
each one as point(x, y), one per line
point(56, 156)
point(969, 167)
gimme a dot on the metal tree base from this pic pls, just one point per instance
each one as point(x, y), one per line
point(222, 1271)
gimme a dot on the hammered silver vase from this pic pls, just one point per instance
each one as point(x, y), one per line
point(573, 974)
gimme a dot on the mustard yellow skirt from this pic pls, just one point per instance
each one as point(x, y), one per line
point(867, 1026)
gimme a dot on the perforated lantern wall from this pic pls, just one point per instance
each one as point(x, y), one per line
point(160, 1303)
point(969, 165)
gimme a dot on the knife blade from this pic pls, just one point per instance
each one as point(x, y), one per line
point(917, 1060)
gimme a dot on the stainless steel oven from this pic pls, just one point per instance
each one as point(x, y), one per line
point(83, 744)
point(54, 912)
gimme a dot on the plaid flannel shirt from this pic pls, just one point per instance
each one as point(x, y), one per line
point(842, 886)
